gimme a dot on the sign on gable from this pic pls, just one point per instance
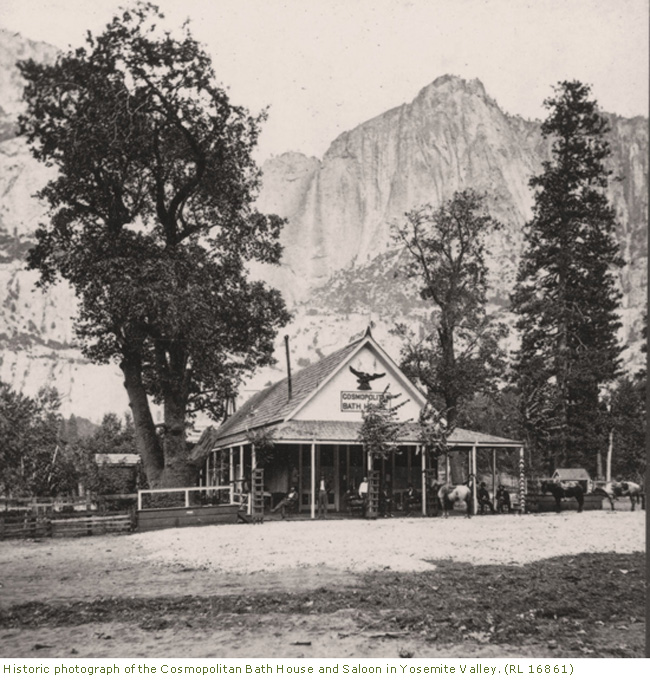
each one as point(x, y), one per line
point(358, 401)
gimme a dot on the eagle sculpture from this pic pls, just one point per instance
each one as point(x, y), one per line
point(364, 378)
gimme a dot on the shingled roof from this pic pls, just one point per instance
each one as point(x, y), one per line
point(572, 473)
point(271, 408)
point(273, 404)
point(340, 431)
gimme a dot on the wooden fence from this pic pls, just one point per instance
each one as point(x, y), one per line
point(39, 527)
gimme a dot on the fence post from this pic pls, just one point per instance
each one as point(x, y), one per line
point(187, 498)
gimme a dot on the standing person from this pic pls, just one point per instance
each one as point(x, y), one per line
point(363, 494)
point(322, 498)
point(385, 501)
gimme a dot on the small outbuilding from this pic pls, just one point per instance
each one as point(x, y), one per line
point(578, 474)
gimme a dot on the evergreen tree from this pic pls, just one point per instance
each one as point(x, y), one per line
point(566, 294)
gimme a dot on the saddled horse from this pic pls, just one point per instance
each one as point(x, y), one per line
point(564, 489)
point(620, 489)
point(448, 494)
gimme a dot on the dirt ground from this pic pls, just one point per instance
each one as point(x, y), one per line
point(539, 585)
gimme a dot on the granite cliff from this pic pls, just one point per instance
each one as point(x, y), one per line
point(338, 263)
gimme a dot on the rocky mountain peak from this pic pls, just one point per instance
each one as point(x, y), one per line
point(13, 48)
point(450, 83)
point(338, 260)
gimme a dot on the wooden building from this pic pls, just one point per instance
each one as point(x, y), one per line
point(313, 421)
point(578, 474)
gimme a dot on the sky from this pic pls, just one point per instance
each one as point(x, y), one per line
point(324, 66)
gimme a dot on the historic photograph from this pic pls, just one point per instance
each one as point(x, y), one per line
point(323, 328)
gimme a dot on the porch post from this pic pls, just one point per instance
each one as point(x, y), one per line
point(494, 477)
point(522, 483)
point(313, 480)
point(337, 479)
point(475, 487)
point(241, 472)
point(424, 479)
point(250, 485)
point(300, 477)
point(231, 475)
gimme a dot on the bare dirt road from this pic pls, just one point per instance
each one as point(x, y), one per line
point(538, 585)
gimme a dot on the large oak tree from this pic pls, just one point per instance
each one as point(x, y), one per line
point(152, 223)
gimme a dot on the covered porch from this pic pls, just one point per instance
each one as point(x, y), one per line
point(303, 452)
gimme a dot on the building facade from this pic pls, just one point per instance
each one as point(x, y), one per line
point(306, 428)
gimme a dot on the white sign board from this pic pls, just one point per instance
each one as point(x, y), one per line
point(358, 401)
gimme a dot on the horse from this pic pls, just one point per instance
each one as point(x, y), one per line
point(564, 489)
point(620, 489)
point(448, 494)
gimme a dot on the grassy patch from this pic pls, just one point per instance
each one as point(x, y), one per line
point(569, 602)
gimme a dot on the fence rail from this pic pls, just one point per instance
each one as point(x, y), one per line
point(91, 526)
point(185, 492)
point(38, 527)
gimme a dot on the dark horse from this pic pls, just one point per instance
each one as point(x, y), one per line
point(564, 489)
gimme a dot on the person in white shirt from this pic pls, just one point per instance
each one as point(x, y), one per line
point(363, 488)
point(322, 498)
point(363, 494)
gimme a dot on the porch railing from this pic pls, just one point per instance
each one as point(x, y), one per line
point(186, 491)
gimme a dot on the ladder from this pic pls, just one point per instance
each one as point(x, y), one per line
point(257, 495)
point(373, 495)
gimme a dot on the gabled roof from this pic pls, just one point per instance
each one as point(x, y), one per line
point(272, 408)
point(571, 473)
point(273, 405)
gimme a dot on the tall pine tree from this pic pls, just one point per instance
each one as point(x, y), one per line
point(566, 294)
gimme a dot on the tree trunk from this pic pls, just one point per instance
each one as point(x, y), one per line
point(446, 336)
point(610, 449)
point(146, 439)
point(562, 377)
point(178, 472)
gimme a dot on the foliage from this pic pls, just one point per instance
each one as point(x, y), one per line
point(627, 418)
point(113, 435)
point(152, 223)
point(434, 431)
point(446, 251)
point(41, 456)
point(495, 413)
point(31, 459)
point(566, 294)
point(262, 441)
point(380, 431)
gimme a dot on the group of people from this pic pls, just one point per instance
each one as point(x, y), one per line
point(503, 503)
point(410, 499)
